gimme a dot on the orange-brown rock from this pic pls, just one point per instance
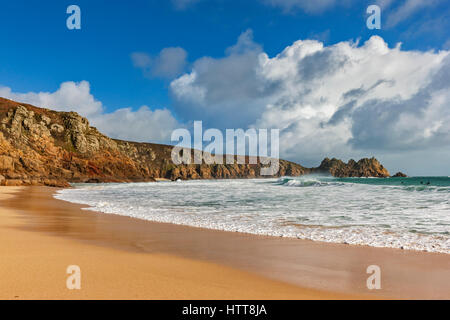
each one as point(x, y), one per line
point(363, 168)
point(44, 147)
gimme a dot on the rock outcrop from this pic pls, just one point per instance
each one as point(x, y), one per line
point(363, 168)
point(44, 147)
point(399, 175)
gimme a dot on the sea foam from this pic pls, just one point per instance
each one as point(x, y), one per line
point(355, 211)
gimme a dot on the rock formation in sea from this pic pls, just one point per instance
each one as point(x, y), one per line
point(363, 168)
point(44, 147)
point(399, 175)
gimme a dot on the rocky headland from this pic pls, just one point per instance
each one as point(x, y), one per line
point(363, 168)
point(44, 147)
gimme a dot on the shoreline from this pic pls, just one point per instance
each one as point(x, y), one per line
point(378, 232)
point(87, 208)
point(303, 268)
point(37, 247)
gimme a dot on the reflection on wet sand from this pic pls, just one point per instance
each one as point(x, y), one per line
point(333, 267)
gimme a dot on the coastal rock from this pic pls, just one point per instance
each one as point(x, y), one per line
point(56, 128)
point(399, 175)
point(13, 183)
point(44, 147)
point(45, 120)
point(363, 168)
point(6, 163)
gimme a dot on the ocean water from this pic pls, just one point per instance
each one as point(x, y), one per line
point(408, 213)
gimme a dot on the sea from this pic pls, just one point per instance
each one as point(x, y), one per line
point(406, 213)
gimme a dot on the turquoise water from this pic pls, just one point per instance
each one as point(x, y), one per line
point(427, 182)
point(410, 181)
point(408, 213)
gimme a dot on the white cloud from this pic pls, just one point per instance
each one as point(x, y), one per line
point(141, 125)
point(226, 90)
point(345, 100)
point(70, 96)
point(169, 64)
point(407, 9)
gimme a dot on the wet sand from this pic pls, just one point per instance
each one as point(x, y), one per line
point(126, 258)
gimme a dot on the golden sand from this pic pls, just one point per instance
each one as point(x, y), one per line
point(125, 258)
point(33, 266)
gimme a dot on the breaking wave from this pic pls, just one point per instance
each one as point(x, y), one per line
point(408, 213)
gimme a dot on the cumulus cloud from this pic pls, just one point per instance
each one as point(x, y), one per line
point(169, 64)
point(70, 96)
point(419, 122)
point(346, 100)
point(141, 125)
point(225, 91)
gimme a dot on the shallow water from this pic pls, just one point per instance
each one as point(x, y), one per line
point(409, 213)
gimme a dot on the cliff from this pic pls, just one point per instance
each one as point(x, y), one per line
point(44, 147)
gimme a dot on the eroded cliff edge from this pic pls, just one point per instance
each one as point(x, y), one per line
point(44, 147)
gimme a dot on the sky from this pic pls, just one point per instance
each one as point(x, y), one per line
point(311, 68)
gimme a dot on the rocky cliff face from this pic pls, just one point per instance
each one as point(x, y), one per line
point(363, 168)
point(44, 147)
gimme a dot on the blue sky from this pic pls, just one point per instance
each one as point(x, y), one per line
point(39, 53)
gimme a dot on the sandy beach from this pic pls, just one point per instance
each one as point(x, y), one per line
point(125, 258)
